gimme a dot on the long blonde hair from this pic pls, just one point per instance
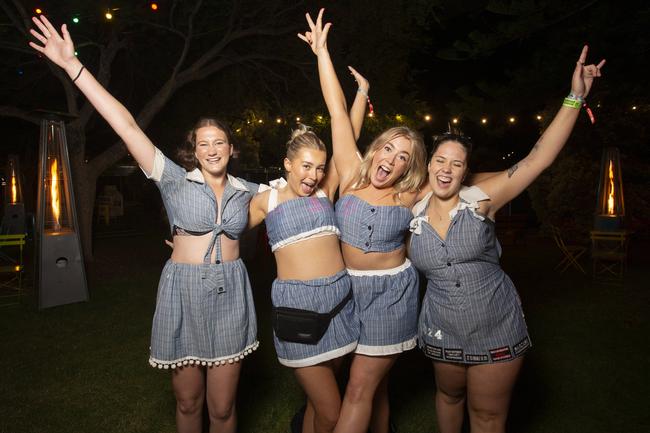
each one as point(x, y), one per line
point(416, 171)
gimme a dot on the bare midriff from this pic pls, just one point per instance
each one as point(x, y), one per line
point(360, 260)
point(192, 249)
point(309, 259)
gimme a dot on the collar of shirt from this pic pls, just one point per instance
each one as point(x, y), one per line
point(196, 176)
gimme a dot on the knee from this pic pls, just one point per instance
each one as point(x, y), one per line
point(327, 418)
point(450, 396)
point(189, 405)
point(359, 390)
point(486, 419)
point(220, 413)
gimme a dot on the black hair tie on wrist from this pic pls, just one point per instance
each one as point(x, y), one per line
point(78, 74)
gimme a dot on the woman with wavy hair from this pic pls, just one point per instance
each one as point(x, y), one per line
point(204, 324)
point(373, 213)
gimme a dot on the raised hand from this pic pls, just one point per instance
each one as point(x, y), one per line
point(583, 76)
point(363, 83)
point(316, 38)
point(58, 49)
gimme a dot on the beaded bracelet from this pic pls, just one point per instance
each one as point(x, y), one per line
point(365, 93)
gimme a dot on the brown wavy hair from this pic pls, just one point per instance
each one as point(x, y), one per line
point(185, 152)
point(416, 171)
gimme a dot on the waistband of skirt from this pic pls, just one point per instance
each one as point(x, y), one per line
point(378, 272)
point(316, 281)
point(235, 262)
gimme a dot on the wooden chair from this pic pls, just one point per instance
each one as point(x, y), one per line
point(609, 255)
point(571, 253)
point(11, 289)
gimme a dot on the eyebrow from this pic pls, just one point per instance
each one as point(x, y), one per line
point(401, 151)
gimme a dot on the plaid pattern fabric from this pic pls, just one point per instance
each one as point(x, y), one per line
point(320, 295)
point(371, 228)
point(471, 312)
point(204, 313)
point(299, 218)
point(387, 306)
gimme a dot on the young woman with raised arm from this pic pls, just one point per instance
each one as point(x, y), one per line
point(204, 323)
point(373, 213)
point(471, 323)
point(311, 277)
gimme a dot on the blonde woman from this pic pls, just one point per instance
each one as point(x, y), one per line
point(373, 213)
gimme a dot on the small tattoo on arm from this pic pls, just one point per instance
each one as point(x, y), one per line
point(512, 170)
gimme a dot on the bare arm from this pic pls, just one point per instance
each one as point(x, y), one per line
point(358, 110)
point(343, 141)
point(60, 50)
point(475, 178)
point(257, 209)
point(508, 184)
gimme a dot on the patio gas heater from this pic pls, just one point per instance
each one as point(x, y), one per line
point(610, 209)
point(609, 238)
point(13, 219)
point(60, 266)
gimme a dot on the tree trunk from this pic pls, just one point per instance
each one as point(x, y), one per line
point(84, 186)
point(85, 189)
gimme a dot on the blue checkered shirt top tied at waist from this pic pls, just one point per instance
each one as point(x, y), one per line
point(467, 260)
point(372, 228)
point(192, 206)
point(299, 219)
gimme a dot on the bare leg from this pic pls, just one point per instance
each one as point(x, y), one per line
point(489, 388)
point(319, 383)
point(365, 375)
point(221, 397)
point(308, 420)
point(451, 384)
point(379, 421)
point(189, 389)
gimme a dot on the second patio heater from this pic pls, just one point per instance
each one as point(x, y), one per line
point(13, 219)
point(60, 265)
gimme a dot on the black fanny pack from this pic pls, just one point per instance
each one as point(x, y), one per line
point(303, 326)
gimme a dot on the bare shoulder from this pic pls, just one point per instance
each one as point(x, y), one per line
point(408, 198)
point(258, 200)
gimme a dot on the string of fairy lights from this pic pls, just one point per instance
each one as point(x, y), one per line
point(110, 14)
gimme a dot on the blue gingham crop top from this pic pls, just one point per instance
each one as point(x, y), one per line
point(372, 228)
point(191, 204)
point(299, 219)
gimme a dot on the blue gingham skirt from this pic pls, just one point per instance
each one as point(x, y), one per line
point(387, 307)
point(204, 315)
point(320, 295)
point(483, 328)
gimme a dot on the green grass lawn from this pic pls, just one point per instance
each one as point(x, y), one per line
point(83, 367)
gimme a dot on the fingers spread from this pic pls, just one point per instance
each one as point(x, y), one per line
point(310, 21)
point(36, 47)
point(38, 36)
point(583, 55)
point(326, 29)
point(49, 26)
point(41, 27)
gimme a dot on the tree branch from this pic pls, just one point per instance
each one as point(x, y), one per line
point(18, 113)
